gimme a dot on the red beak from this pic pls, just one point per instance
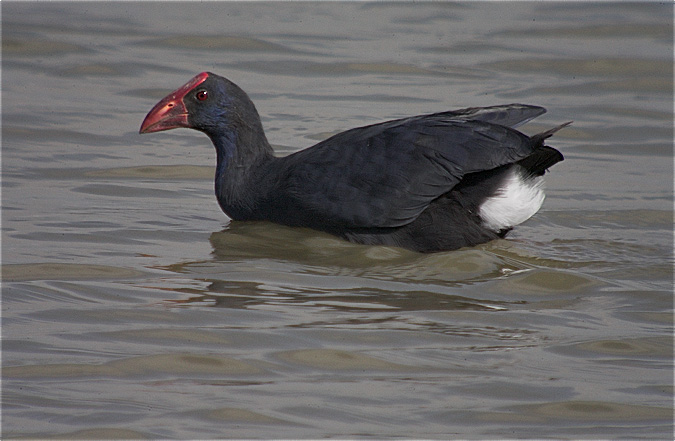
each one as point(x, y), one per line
point(170, 112)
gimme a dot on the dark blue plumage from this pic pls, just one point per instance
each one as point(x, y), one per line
point(421, 183)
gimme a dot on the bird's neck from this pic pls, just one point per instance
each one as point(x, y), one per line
point(241, 152)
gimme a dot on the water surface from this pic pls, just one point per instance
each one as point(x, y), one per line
point(133, 308)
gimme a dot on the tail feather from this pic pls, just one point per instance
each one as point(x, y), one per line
point(538, 162)
point(543, 156)
point(539, 138)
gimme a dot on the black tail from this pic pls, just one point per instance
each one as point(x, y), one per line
point(543, 156)
point(539, 138)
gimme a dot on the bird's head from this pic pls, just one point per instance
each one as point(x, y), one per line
point(208, 103)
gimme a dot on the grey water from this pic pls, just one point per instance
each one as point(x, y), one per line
point(133, 308)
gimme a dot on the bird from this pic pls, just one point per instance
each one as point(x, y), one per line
point(426, 183)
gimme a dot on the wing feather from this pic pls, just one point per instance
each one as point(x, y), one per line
point(386, 174)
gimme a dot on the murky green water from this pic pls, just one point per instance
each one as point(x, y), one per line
point(131, 308)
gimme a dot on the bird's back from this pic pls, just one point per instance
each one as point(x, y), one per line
point(385, 175)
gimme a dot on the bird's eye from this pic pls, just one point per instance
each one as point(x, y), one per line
point(202, 95)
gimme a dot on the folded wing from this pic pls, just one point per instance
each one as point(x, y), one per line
point(386, 174)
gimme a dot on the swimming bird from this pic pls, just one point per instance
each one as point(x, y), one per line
point(427, 183)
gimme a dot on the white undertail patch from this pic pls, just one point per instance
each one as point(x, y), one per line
point(516, 201)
